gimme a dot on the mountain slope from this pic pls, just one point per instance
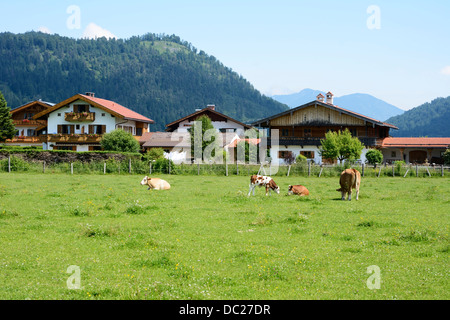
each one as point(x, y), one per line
point(430, 119)
point(358, 102)
point(159, 76)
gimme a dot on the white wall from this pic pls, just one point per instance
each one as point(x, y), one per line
point(54, 120)
point(185, 125)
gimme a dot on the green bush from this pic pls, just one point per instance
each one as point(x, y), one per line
point(374, 156)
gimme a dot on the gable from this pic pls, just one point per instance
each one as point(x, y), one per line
point(317, 115)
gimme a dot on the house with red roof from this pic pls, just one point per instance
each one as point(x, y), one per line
point(79, 122)
point(414, 150)
point(28, 129)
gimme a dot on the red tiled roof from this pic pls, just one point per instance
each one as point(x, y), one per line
point(393, 142)
point(111, 106)
point(114, 106)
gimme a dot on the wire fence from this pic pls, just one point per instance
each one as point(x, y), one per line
point(134, 166)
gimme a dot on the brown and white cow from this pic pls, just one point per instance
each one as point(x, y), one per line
point(350, 179)
point(155, 183)
point(263, 181)
point(298, 190)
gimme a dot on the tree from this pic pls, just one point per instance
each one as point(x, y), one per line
point(374, 156)
point(447, 156)
point(341, 145)
point(154, 154)
point(119, 140)
point(7, 129)
point(206, 136)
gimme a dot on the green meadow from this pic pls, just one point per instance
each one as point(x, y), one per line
point(205, 239)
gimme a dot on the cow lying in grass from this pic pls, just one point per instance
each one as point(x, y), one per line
point(263, 181)
point(298, 190)
point(155, 183)
point(350, 179)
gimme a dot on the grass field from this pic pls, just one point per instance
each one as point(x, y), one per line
point(205, 239)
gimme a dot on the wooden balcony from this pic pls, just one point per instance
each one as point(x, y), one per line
point(80, 116)
point(21, 139)
point(26, 122)
point(71, 138)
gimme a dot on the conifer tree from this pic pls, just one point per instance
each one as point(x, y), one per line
point(7, 129)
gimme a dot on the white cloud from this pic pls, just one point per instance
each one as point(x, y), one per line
point(446, 71)
point(94, 31)
point(44, 29)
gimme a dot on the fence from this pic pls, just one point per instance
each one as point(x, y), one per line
point(135, 166)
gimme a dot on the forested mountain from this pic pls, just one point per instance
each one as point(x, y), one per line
point(159, 76)
point(428, 120)
point(362, 103)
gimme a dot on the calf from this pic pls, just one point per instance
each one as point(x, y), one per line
point(155, 183)
point(263, 181)
point(350, 179)
point(299, 190)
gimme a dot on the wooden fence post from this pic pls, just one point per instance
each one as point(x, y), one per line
point(393, 170)
point(309, 168)
point(362, 168)
point(321, 169)
point(417, 170)
point(198, 167)
point(9, 163)
point(169, 166)
point(129, 166)
point(237, 168)
point(226, 168)
point(442, 170)
point(289, 170)
point(71, 168)
point(43, 167)
point(104, 167)
point(150, 168)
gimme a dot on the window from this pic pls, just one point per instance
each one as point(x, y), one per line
point(354, 132)
point(31, 132)
point(78, 108)
point(285, 154)
point(103, 114)
point(66, 129)
point(77, 127)
point(139, 132)
point(394, 154)
point(307, 133)
point(59, 114)
point(284, 132)
point(307, 154)
point(97, 129)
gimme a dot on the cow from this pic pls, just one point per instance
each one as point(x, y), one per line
point(350, 179)
point(298, 190)
point(155, 183)
point(263, 181)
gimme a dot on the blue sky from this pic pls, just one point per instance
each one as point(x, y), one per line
point(398, 51)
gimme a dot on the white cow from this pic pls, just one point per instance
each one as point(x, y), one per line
point(155, 183)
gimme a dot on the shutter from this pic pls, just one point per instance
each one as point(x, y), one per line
point(103, 129)
point(59, 128)
point(72, 128)
point(91, 129)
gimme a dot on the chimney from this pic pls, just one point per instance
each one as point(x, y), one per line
point(90, 94)
point(320, 97)
point(211, 106)
point(330, 98)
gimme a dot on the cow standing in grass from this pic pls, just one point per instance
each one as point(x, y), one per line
point(263, 181)
point(350, 179)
